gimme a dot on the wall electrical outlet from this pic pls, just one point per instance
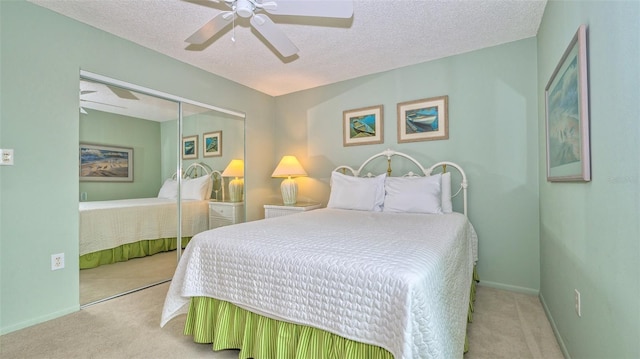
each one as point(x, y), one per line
point(57, 261)
point(577, 303)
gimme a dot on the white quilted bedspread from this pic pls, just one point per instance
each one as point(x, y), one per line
point(109, 224)
point(399, 281)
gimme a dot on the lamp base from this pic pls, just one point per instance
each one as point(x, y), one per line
point(289, 189)
point(236, 187)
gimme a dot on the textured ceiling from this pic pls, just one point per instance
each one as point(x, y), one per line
point(381, 35)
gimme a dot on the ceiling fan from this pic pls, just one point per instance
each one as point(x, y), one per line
point(265, 26)
point(126, 95)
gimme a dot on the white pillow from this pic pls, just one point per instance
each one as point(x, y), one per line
point(413, 194)
point(169, 189)
point(195, 188)
point(357, 193)
point(447, 205)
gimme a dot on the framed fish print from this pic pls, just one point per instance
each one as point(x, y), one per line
point(567, 115)
point(363, 126)
point(212, 144)
point(423, 120)
point(189, 147)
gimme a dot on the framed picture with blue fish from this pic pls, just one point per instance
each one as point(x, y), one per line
point(212, 144)
point(189, 147)
point(363, 126)
point(423, 120)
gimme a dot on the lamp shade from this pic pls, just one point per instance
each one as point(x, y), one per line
point(289, 166)
point(234, 169)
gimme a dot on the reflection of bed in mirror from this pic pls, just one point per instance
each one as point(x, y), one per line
point(119, 230)
point(385, 271)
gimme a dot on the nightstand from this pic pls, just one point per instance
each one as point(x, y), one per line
point(225, 213)
point(279, 209)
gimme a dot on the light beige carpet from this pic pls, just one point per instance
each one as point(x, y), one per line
point(108, 280)
point(506, 325)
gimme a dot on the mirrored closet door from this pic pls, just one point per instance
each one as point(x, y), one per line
point(137, 148)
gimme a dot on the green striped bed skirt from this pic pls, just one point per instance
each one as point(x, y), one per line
point(227, 326)
point(129, 251)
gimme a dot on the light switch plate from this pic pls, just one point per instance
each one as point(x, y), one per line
point(6, 159)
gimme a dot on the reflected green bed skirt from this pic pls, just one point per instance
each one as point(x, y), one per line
point(227, 326)
point(129, 251)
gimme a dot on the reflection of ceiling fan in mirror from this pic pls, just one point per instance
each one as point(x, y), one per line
point(265, 26)
point(100, 97)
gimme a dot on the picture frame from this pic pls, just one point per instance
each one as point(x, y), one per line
point(363, 126)
point(212, 144)
point(567, 115)
point(423, 120)
point(100, 163)
point(189, 147)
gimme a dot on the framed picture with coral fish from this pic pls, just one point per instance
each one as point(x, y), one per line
point(363, 126)
point(423, 120)
point(567, 115)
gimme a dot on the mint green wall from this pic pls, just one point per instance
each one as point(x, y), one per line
point(493, 135)
point(589, 232)
point(143, 136)
point(41, 55)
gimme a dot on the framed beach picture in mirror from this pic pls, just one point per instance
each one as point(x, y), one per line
point(567, 115)
point(99, 163)
point(423, 120)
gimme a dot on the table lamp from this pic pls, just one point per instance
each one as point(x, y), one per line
point(287, 168)
point(235, 169)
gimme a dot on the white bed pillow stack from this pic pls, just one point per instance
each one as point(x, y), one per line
point(192, 188)
point(431, 194)
point(357, 193)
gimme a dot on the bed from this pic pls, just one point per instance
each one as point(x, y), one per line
point(385, 271)
point(118, 230)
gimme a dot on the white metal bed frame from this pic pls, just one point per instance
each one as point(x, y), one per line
point(389, 153)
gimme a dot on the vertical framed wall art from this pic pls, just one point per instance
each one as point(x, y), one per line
point(363, 126)
point(189, 147)
point(212, 144)
point(423, 120)
point(567, 115)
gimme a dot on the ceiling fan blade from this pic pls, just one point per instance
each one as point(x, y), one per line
point(101, 103)
point(123, 93)
point(211, 28)
point(86, 92)
point(319, 8)
point(273, 35)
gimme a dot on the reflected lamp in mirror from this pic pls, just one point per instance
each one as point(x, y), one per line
point(235, 169)
point(287, 168)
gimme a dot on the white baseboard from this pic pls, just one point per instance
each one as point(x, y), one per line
point(511, 288)
point(563, 348)
point(38, 320)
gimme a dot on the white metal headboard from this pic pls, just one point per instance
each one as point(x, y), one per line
point(425, 171)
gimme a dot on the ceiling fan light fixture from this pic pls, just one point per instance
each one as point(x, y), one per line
point(244, 8)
